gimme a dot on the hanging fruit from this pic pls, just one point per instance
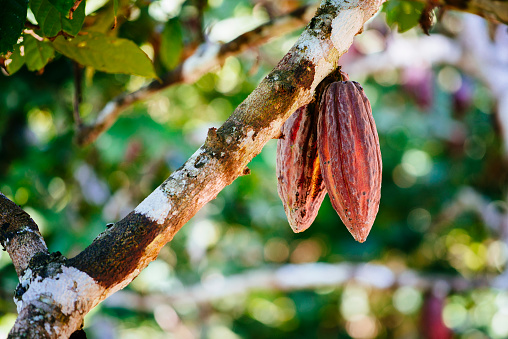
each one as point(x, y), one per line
point(350, 156)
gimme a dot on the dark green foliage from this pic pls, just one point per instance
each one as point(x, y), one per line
point(12, 21)
point(52, 21)
point(38, 53)
point(63, 6)
point(17, 60)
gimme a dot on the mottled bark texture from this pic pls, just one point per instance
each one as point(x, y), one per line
point(19, 235)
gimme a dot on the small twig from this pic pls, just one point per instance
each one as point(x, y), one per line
point(74, 8)
point(78, 95)
point(32, 33)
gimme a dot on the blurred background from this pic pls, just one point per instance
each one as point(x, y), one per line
point(434, 263)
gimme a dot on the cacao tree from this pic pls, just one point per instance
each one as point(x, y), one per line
point(103, 102)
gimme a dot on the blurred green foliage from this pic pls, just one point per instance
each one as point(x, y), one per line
point(434, 147)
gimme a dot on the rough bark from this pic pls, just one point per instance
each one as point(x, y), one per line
point(19, 235)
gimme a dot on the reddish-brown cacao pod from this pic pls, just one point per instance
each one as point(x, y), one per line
point(350, 156)
point(299, 181)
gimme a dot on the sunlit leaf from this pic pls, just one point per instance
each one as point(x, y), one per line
point(107, 54)
point(404, 14)
point(12, 20)
point(53, 21)
point(103, 20)
point(171, 44)
point(37, 53)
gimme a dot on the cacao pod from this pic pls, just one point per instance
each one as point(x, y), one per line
point(299, 181)
point(350, 156)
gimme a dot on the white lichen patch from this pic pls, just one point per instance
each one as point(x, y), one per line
point(71, 290)
point(248, 139)
point(26, 278)
point(27, 229)
point(48, 329)
point(314, 48)
point(179, 180)
point(344, 28)
point(323, 68)
point(155, 207)
point(250, 134)
point(201, 62)
point(38, 236)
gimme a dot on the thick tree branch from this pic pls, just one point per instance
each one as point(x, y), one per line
point(19, 235)
point(65, 290)
point(208, 56)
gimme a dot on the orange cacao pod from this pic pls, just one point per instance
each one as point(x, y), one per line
point(299, 181)
point(350, 157)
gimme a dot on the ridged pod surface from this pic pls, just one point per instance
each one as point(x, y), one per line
point(299, 180)
point(350, 156)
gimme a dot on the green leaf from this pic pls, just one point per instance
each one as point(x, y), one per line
point(37, 53)
point(171, 44)
point(63, 6)
point(107, 54)
point(15, 60)
point(404, 14)
point(52, 21)
point(12, 20)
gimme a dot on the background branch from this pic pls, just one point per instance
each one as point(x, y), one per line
point(208, 56)
point(293, 277)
